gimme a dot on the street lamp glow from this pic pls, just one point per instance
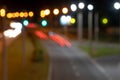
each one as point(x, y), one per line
point(21, 14)
point(16, 14)
point(9, 15)
point(63, 20)
point(42, 13)
point(31, 14)
point(56, 11)
point(81, 5)
point(47, 12)
point(117, 5)
point(2, 12)
point(73, 7)
point(65, 10)
point(72, 20)
point(25, 14)
point(68, 19)
point(90, 7)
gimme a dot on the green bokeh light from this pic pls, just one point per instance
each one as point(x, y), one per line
point(104, 20)
point(44, 23)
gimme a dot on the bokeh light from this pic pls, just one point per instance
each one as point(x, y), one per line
point(65, 10)
point(56, 11)
point(73, 7)
point(104, 20)
point(81, 5)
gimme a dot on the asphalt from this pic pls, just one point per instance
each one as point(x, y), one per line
point(108, 64)
point(73, 64)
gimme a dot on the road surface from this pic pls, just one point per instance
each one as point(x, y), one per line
point(72, 64)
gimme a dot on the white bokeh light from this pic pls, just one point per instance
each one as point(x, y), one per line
point(73, 7)
point(15, 31)
point(90, 7)
point(81, 5)
point(117, 5)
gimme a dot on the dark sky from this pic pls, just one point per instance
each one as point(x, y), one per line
point(33, 4)
point(105, 7)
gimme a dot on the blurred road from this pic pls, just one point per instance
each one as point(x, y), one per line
point(72, 64)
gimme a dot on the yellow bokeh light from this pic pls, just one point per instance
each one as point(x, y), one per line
point(105, 21)
point(56, 11)
point(9, 15)
point(21, 14)
point(13, 15)
point(47, 12)
point(25, 14)
point(31, 14)
point(16, 14)
point(65, 10)
point(42, 13)
point(72, 20)
point(2, 12)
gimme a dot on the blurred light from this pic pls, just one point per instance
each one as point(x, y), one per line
point(16, 14)
point(25, 22)
point(9, 15)
point(68, 19)
point(31, 14)
point(104, 20)
point(44, 23)
point(90, 7)
point(13, 15)
point(117, 5)
point(73, 7)
point(11, 33)
point(56, 11)
point(21, 14)
point(42, 13)
point(31, 25)
point(81, 5)
point(47, 12)
point(65, 20)
point(25, 14)
point(2, 12)
point(41, 35)
point(72, 20)
point(16, 25)
point(65, 10)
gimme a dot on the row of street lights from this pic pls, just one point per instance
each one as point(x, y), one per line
point(56, 11)
point(65, 10)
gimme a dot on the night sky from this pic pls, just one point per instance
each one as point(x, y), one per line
point(105, 7)
point(33, 4)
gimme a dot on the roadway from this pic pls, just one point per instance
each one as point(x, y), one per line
point(72, 64)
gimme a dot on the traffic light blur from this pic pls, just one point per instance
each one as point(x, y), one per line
point(25, 22)
point(44, 23)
